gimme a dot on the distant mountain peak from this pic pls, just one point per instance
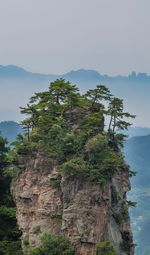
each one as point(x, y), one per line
point(13, 67)
point(12, 70)
point(84, 72)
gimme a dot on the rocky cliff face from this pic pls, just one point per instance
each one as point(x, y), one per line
point(86, 213)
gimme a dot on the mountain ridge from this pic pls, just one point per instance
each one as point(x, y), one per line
point(18, 69)
point(18, 85)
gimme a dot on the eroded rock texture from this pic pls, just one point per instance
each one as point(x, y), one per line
point(86, 213)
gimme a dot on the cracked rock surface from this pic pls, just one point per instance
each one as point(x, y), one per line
point(85, 213)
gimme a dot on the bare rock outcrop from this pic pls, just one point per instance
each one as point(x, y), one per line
point(86, 213)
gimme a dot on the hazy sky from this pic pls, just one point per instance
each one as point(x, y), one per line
point(56, 36)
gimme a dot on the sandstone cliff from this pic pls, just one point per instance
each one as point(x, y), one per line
point(84, 212)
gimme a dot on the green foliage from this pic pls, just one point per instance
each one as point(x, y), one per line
point(117, 115)
point(25, 147)
point(26, 242)
point(105, 248)
point(7, 212)
point(9, 233)
point(96, 147)
point(51, 244)
point(69, 127)
point(35, 251)
point(97, 164)
point(119, 139)
point(10, 248)
point(131, 173)
point(102, 160)
point(96, 96)
point(131, 203)
point(93, 123)
point(12, 172)
point(75, 167)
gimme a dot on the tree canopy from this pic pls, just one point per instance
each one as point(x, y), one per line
point(71, 128)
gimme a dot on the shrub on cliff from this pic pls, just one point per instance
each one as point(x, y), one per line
point(51, 244)
point(105, 248)
point(97, 163)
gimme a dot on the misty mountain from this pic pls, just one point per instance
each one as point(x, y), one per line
point(137, 154)
point(137, 131)
point(18, 85)
point(9, 130)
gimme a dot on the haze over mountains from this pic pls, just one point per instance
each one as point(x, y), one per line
point(18, 85)
point(10, 130)
point(137, 154)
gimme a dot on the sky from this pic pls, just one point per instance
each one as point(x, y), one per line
point(56, 36)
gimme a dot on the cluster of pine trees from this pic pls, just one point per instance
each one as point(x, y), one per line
point(72, 130)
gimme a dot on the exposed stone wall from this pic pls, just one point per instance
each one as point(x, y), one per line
point(86, 213)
